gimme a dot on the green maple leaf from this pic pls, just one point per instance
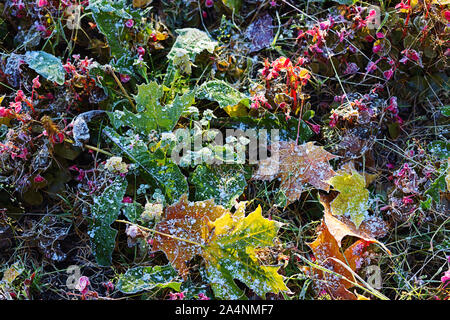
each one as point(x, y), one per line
point(353, 198)
point(152, 115)
point(226, 241)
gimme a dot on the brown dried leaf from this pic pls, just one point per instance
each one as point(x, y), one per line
point(297, 165)
point(186, 221)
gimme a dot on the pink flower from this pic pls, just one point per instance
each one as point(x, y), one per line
point(273, 3)
point(204, 14)
point(176, 296)
point(388, 74)
point(38, 178)
point(141, 51)
point(83, 284)
point(380, 35)
point(371, 67)
point(124, 78)
point(127, 200)
point(129, 23)
point(209, 3)
point(202, 296)
point(377, 48)
point(447, 16)
point(407, 200)
point(36, 83)
point(445, 278)
point(42, 3)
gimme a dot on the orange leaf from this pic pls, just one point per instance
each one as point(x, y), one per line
point(341, 226)
point(297, 165)
point(328, 254)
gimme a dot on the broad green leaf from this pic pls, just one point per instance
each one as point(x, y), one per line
point(152, 115)
point(231, 100)
point(192, 40)
point(109, 17)
point(105, 211)
point(47, 65)
point(148, 278)
point(352, 201)
point(226, 241)
point(224, 184)
point(156, 168)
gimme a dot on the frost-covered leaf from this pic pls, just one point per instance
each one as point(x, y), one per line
point(260, 33)
point(326, 252)
point(231, 100)
point(231, 255)
point(148, 278)
point(340, 226)
point(155, 167)
point(105, 211)
point(224, 185)
point(227, 242)
point(47, 65)
point(192, 40)
point(109, 16)
point(296, 166)
point(353, 199)
point(152, 115)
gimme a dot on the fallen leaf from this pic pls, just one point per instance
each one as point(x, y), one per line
point(327, 254)
point(226, 241)
point(296, 166)
point(352, 201)
point(341, 226)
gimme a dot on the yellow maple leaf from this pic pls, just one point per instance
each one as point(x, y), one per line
point(227, 242)
point(352, 201)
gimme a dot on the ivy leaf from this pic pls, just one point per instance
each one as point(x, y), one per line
point(353, 199)
point(328, 254)
point(296, 166)
point(152, 115)
point(148, 278)
point(227, 243)
point(231, 100)
point(47, 65)
point(156, 168)
point(224, 185)
point(105, 211)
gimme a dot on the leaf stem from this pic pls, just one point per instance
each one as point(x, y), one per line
point(161, 233)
